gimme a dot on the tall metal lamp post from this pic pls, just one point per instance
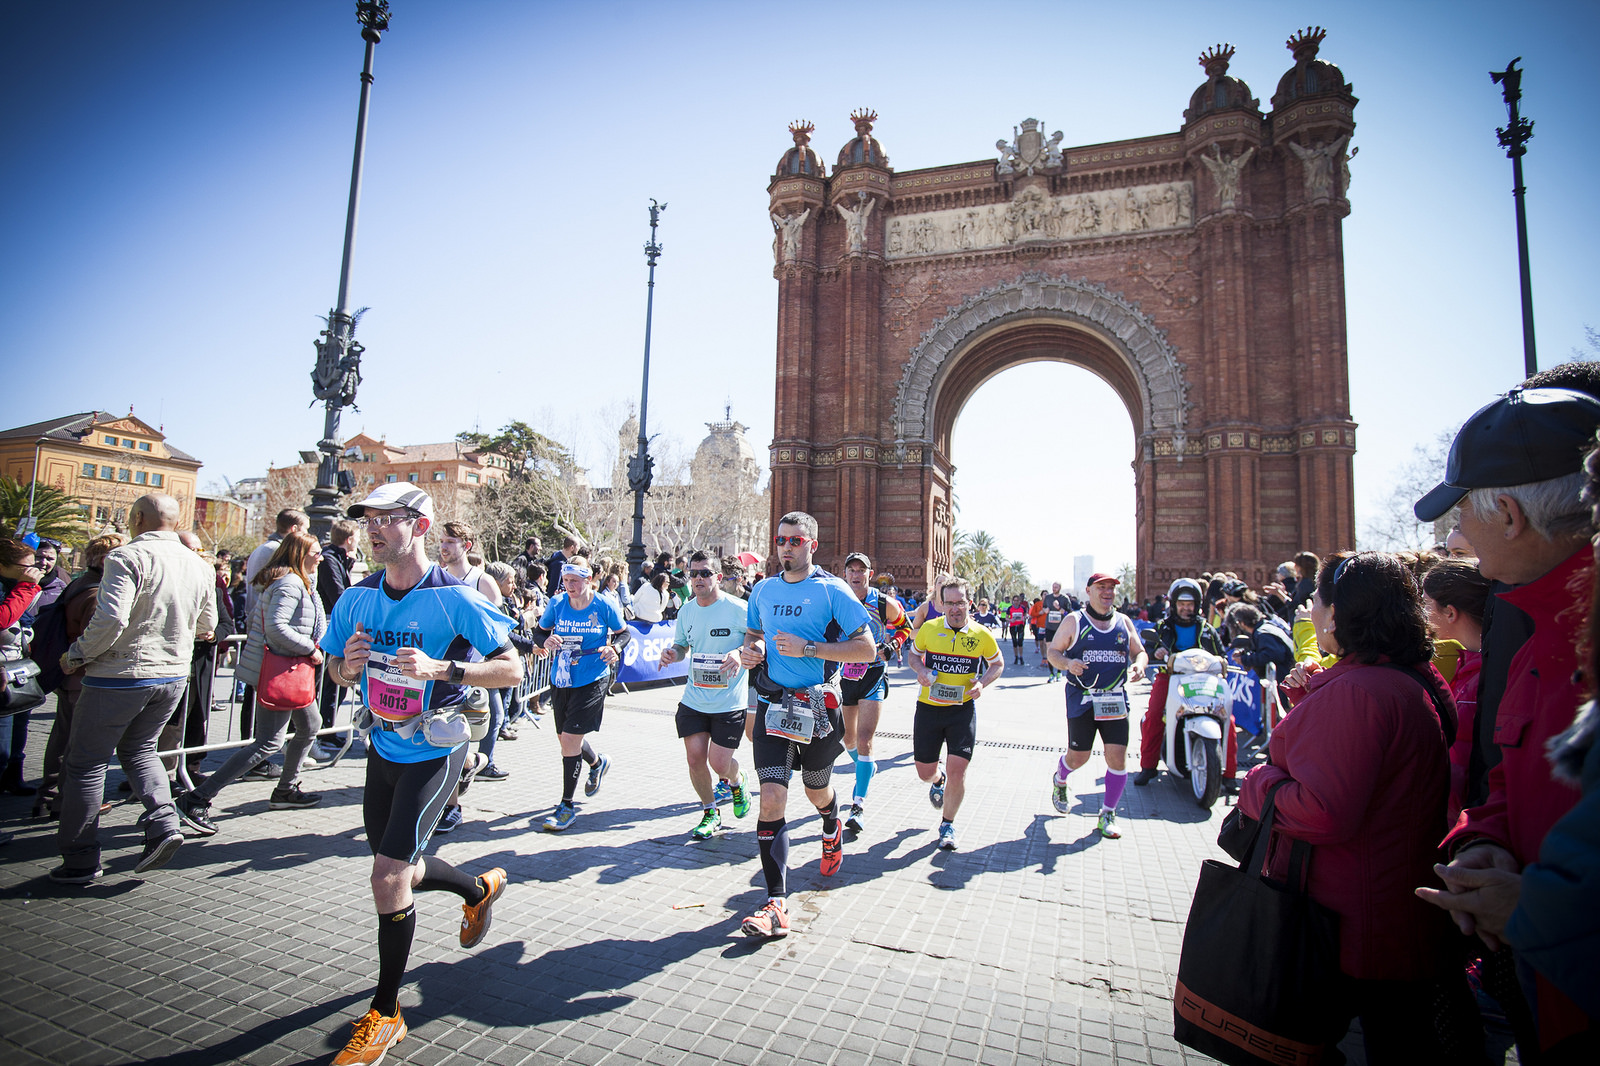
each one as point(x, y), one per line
point(338, 370)
point(641, 465)
point(1514, 139)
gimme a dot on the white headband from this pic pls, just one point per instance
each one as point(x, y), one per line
point(568, 569)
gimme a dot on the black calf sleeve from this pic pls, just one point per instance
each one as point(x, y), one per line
point(772, 840)
point(395, 933)
point(440, 876)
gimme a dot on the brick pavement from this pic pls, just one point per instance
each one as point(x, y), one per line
point(1036, 942)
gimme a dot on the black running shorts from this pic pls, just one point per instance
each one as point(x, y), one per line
point(777, 758)
point(953, 728)
point(1081, 731)
point(726, 729)
point(870, 686)
point(402, 801)
point(579, 710)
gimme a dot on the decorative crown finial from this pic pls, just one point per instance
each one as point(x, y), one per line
point(1304, 43)
point(801, 128)
point(1215, 59)
point(863, 118)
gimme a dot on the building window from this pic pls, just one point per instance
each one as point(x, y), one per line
point(88, 470)
point(156, 480)
point(389, 479)
point(472, 478)
point(139, 478)
point(369, 458)
point(144, 446)
point(126, 443)
point(102, 515)
point(438, 475)
point(124, 474)
point(411, 478)
point(110, 440)
point(107, 473)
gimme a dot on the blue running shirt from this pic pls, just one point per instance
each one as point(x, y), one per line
point(440, 617)
point(587, 630)
point(710, 633)
point(821, 609)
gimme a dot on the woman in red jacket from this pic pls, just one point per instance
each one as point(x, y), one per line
point(1365, 755)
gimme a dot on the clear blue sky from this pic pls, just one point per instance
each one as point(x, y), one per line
point(173, 187)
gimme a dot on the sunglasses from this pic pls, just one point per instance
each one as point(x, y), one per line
point(702, 573)
point(798, 542)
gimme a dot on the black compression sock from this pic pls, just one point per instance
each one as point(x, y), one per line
point(772, 840)
point(395, 932)
point(587, 754)
point(830, 816)
point(570, 768)
point(440, 876)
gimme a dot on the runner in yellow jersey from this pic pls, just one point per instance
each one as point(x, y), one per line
point(948, 655)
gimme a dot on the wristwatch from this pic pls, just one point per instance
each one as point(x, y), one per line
point(811, 650)
point(458, 673)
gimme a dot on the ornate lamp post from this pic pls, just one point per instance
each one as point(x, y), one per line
point(338, 369)
point(1514, 139)
point(641, 465)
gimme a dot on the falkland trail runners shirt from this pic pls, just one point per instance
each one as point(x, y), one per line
point(582, 631)
point(822, 609)
point(440, 617)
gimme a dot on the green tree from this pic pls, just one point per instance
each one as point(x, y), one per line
point(1018, 581)
point(978, 559)
point(59, 516)
point(540, 494)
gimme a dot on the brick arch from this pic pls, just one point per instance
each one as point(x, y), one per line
point(1039, 317)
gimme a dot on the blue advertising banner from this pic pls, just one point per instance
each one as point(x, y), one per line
point(643, 652)
point(1246, 692)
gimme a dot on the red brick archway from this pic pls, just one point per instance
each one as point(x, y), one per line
point(1200, 273)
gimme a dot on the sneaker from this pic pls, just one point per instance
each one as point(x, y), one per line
point(771, 921)
point(1145, 776)
point(475, 764)
point(449, 821)
point(157, 853)
point(1108, 825)
point(947, 836)
point(741, 796)
point(936, 793)
point(196, 814)
point(833, 851)
point(493, 773)
point(721, 793)
point(374, 1035)
point(508, 733)
point(475, 918)
point(1060, 796)
point(284, 799)
point(710, 822)
point(263, 771)
point(562, 817)
point(855, 822)
point(596, 773)
point(69, 875)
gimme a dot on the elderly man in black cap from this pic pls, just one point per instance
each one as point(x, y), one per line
point(1516, 470)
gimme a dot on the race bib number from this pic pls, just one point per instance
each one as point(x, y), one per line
point(939, 692)
point(390, 693)
point(854, 671)
point(1053, 617)
point(1109, 706)
point(791, 720)
point(572, 643)
point(705, 670)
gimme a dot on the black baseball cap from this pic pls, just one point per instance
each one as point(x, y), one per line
point(1525, 436)
point(853, 556)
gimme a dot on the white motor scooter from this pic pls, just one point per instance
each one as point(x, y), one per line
point(1198, 709)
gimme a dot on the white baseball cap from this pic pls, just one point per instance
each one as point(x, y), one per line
point(392, 495)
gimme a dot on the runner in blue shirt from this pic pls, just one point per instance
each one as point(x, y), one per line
point(712, 714)
point(407, 636)
point(586, 635)
point(802, 623)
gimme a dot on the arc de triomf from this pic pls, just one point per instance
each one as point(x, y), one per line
point(1200, 273)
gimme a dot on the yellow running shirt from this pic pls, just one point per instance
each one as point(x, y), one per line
point(956, 656)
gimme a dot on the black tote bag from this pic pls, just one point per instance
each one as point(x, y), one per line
point(1257, 980)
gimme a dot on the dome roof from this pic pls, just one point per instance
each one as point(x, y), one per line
point(1310, 76)
point(1219, 91)
point(864, 148)
point(726, 453)
point(802, 158)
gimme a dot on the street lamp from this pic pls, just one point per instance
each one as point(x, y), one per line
point(1514, 139)
point(338, 369)
point(640, 466)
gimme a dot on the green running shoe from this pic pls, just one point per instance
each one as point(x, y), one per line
point(1108, 825)
point(710, 822)
point(741, 797)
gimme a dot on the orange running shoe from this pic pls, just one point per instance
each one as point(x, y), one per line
point(771, 920)
point(475, 919)
point(833, 851)
point(374, 1035)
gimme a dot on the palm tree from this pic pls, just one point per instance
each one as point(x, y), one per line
point(58, 515)
point(1017, 578)
point(980, 561)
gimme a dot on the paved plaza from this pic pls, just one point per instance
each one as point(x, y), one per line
point(618, 941)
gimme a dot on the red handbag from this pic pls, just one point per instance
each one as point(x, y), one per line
point(288, 682)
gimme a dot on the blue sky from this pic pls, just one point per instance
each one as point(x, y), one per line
point(172, 201)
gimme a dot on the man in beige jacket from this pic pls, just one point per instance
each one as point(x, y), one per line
point(155, 599)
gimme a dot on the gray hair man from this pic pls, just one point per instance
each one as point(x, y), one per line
point(155, 599)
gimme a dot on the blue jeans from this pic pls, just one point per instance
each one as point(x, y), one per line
point(497, 721)
point(14, 730)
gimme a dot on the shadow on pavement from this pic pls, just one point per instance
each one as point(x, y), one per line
point(1034, 848)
